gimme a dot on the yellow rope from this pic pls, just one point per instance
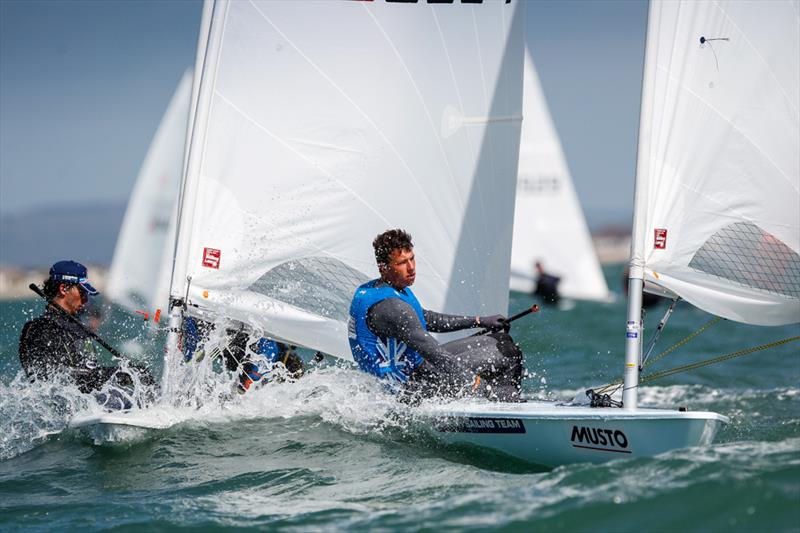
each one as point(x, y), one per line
point(684, 341)
point(699, 364)
point(616, 384)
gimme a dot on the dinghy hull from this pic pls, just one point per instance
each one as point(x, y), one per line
point(552, 434)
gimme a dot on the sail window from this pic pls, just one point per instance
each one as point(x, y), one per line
point(744, 253)
point(320, 285)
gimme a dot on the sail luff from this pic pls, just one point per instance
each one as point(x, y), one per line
point(641, 184)
point(202, 44)
point(213, 18)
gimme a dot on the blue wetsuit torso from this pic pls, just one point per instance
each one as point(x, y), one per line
point(385, 357)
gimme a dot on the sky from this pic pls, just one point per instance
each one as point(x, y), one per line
point(83, 85)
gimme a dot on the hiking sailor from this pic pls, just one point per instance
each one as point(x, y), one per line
point(389, 335)
point(52, 346)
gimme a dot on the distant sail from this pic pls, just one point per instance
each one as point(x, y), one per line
point(320, 125)
point(548, 223)
point(145, 233)
point(717, 215)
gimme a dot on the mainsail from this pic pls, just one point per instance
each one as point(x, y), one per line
point(717, 214)
point(548, 223)
point(320, 124)
point(146, 236)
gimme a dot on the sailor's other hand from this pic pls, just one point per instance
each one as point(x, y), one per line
point(493, 322)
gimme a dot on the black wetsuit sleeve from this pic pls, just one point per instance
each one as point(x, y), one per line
point(442, 323)
point(395, 318)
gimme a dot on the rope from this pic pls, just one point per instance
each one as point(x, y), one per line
point(700, 364)
point(684, 341)
point(618, 383)
point(613, 387)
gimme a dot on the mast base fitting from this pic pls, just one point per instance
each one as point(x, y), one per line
point(601, 400)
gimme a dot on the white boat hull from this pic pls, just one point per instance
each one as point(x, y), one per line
point(544, 433)
point(122, 426)
point(553, 434)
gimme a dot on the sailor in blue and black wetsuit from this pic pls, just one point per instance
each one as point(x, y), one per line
point(389, 335)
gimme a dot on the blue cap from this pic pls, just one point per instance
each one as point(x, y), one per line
point(72, 272)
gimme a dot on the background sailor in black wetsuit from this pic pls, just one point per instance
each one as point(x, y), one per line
point(546, 285)
point(52, 346)
point(389, 335)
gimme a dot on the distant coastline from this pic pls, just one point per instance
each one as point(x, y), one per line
point(612, 246)
point(14, 281)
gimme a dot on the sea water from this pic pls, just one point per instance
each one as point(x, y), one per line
point(326, 452)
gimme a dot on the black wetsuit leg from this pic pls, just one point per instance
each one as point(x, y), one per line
point(497, 359)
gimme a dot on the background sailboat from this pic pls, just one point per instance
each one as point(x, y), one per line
point(549, 225)
point(146, 238)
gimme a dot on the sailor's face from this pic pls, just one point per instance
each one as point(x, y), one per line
point(73, 298)
point(401, 270)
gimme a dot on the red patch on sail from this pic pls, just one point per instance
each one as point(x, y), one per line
point(211, 257)
point(660, 239)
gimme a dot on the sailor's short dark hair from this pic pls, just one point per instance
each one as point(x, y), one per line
point(50, 287)
point(389, 241)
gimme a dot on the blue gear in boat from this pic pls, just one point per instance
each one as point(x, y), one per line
point(193, 332)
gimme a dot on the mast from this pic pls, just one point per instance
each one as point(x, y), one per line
point(633, 325)
point(176, 305)
point(633, 344)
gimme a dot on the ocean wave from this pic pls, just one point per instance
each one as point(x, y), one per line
point(30, 413)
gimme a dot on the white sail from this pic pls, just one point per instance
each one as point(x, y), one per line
point(717, 215)
point(145, 236)
point(548, 223)
point(321, 124)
